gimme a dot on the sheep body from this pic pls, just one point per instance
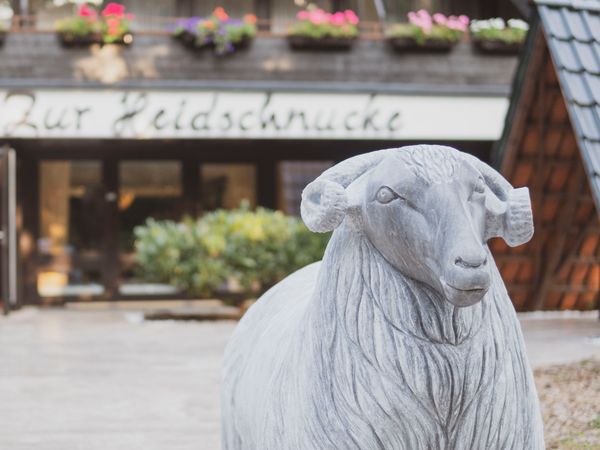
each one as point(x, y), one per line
point(317, 355)
point(404, 336)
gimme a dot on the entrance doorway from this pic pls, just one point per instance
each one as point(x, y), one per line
point(88, 210)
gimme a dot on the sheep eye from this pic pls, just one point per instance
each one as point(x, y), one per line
point(385, 195)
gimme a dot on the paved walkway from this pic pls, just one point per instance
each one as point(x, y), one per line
point(107, 380)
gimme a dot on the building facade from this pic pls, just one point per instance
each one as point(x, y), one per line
point(99, 138)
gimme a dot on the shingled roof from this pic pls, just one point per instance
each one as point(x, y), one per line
point(551, 143)
point(572, 30)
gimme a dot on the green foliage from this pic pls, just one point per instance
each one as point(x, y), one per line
point(323, 30)
point(77, 26)
point(416, 33)
point(595, 423)
point(253, 249)
point(512, 32)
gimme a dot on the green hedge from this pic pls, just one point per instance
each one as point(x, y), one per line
point(250, 249)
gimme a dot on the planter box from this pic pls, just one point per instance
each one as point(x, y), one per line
point(497, 47)
point(320, 44)
point(405, 44)
point(72, 40)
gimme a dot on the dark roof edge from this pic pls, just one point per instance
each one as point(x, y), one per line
point(589, 5)
point(499, 148)
point(292, 86)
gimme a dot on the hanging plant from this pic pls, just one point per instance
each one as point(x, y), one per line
point(111, 26)
point(498, 37)
point(425, 32)
point(317, 29)
point(220, 32)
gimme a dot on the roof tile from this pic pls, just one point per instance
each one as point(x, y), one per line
point(577, 89)
point(593, 152)
point(593, 82)
point(586, 121)
point(593, 24)
point(588, 56)
point(576, 25)
point(565, 56)
point(554, 22)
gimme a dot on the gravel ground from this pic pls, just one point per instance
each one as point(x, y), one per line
point(570, 397)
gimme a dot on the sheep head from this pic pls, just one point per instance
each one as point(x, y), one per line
point(428, 209)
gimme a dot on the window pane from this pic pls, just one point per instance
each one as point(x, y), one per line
point(227, 185)
point(293, 177)
point(72, 213)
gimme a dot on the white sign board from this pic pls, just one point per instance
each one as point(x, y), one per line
point(136, 114)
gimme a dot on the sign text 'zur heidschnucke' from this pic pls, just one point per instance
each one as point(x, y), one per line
point(193, 114)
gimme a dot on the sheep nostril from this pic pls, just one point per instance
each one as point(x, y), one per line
point(470, 264)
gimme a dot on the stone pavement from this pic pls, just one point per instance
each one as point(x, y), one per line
point(104, 379)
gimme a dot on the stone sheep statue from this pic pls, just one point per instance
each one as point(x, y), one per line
point(404, 336)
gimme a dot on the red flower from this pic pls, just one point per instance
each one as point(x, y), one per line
point(86, 11)
point(114, 9)
point(220, 14)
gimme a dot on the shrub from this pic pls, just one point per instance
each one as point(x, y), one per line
point(317, 24)
point(424, 27)
point(252, 249)
point(497, 30)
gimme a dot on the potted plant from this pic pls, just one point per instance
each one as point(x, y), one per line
point(186, 31)
point(497, 37)
point(116, 25)
point(218, 31)
point(111, 26)
point(425, 32)
point(320, 30)
point(83, 29)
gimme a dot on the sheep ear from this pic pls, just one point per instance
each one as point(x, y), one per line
point(324, 205)
point(512, 219)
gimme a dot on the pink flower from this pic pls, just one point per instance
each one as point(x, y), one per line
point(421, 19)
point(464, 19)
point(303, 15)
point(318, 16)
point(337, 19)
point(351, 17)
point(113, 9)
point(440, 19)
point(86, 11)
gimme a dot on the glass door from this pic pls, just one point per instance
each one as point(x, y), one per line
point(147, 190)
point(72, 229)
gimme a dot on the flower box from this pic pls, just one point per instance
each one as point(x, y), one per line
point(427, 33)
point(495, 36)
point(74, 40)
point(327, 43)
point(497, 47)
point(410, 45)
point(111, 26)
point(224, 35)
point(319, 30)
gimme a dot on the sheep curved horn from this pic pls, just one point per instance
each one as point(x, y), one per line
point(324, 201)
point(508, 214)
